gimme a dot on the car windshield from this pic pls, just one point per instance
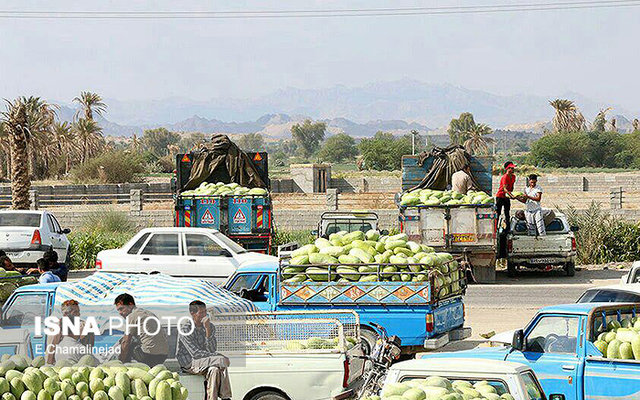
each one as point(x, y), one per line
point(608, 296)
point(233, 246)
point(348, 226)
point(534, 391)
point(555, 226)
point(20, 219)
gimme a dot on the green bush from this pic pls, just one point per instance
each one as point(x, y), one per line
point(85, 246)
point(112, 167)
point(108, 221)
point(281, 237)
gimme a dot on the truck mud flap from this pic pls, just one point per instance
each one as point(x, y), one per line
point(444, 339)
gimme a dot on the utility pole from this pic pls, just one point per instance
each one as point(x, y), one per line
point(414, 133)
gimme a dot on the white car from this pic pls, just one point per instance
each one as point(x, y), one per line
point(633, 276)
point(626, 293)
point(26, 234)
point(187, 252)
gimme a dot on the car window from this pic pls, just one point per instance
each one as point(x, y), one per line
point(499, 387)
point(162, 244)
point(56, 224)
point(635, 278)
point(553, 334)
point(202, 245)
point(235, 247)
point(555, 226)
point(52, 227)
point(349, 226)
point(244, 281)
point(136, 246)
point(608, 296)
point(24, 309)
point(20, 219)
point(534, 391)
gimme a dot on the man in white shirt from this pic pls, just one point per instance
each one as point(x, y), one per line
point(533, 212)
point(461, 181)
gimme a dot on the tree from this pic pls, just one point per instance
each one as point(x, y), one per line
point(338, 148)
point(636, 125)
point(89, 135)
point(308, 136)
point(478, 142)
point(384, 151)
point(89, 103)
point(192, 141)
point(251, 142)
point(567, 149)
point(156, 141)
point(600, 121)
point(567, 117)
point(459, 128)
point(23, 119)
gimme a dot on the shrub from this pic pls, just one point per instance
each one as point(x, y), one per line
point(108, 221)
point(281, 237)
point(112, 167)
point(85, 246)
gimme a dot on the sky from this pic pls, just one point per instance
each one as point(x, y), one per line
point(593, 52)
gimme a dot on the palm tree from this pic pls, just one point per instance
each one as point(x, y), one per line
point(459, 128)
point(568, 118)
point(600, 122)
point(24, 118)
point(478, 141)
point(89, 134)
point(5, 147)
point(89, 103)
point(64, 143)
point(636, 125)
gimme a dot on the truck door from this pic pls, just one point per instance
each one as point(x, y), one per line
point(550, 349)
point(21, 312)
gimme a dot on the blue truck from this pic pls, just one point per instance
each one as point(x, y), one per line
point(558, 344)
point(424, 317)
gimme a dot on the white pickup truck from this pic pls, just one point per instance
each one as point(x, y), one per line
point(471, 378)
point(557, 247)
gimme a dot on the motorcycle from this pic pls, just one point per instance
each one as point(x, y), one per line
point(384, 353)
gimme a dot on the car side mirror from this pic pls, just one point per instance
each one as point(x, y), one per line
point(518, 340)
point(574, 229)
point(66, 231)
point(556, 396)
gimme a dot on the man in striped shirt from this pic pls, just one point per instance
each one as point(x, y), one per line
point(196, 352)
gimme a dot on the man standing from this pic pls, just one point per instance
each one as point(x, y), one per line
point(145, 340)
point(461, 180)
point(504, 195)
point(196, 352)
point(533, 213)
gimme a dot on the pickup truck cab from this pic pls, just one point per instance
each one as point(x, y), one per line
point(558, 346)
point(337, 221)
point(422, 323)
point(511, 378)
point(558, 247)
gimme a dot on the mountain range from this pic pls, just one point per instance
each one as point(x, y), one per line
point(397, 106)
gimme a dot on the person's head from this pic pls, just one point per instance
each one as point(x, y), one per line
point(51, 257)
point(124, 304)
point(43, 265)
point(198, 311)
point(510, 167)
point(5, 262)
point(533, 180)
point(70, 309)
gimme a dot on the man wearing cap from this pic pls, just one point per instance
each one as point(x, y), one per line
point(461, 180)
point(504, 196)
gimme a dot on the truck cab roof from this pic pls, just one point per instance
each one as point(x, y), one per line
point(461, 365)
point(258, 268)
point(577, 308)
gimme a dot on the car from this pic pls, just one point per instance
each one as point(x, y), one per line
point(633, 276)
point(187, 252)
point(25, 235)
point(626, 293)
point(557, 247)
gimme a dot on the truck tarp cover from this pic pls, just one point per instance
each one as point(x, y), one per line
point(446, 161)
point(222, 161)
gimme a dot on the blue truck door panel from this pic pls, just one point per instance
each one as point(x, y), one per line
point(554, 358)
point(240, 215)
point(611, 379)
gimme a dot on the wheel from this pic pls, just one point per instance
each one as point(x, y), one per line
point(512, 269)
point(368, 340)
point(268, 395)
point(570, 269)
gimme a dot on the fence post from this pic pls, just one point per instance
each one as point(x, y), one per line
point(616, 197)
point(332, 199)
point(135, 201)
point(34, 199)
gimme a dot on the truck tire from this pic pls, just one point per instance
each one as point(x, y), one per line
point(512, 270)
point(368, 339)
point(268, 395)
point(570, 269)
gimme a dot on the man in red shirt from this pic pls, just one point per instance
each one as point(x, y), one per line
point(504, 195)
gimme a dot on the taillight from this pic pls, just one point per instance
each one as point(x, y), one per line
point(510, 245)
point(345, 378)
point(36, 239)
point(98, 264)
point(464, 311)
point(429, 322)
point(573, 244)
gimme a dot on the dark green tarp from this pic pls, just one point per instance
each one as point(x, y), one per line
point(220, 160)
point(446, 161)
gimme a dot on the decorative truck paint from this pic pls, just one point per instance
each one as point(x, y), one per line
point(564, 357)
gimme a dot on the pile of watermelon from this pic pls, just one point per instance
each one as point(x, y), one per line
point(621, 339)
point(428, 197)
point(11, 280)
point(360, 256)
point(25, 379)
point(437, 388)
point(224, 189)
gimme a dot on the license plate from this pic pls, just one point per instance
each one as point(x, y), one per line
point(541, 261)
point(464, 237)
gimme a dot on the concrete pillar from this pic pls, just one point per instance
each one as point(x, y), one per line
point(34, 199)
point(135, 201)
point(616, 197)
point(332, 199)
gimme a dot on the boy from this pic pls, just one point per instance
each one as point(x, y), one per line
point(46, 276)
